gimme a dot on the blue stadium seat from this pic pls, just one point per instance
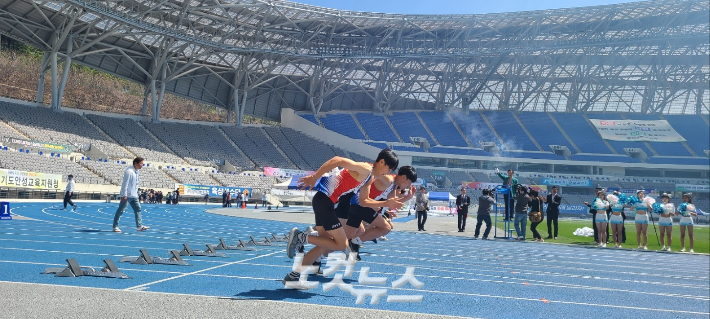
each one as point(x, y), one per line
point(309, 117)
point(377, 144)
point(376, 127)
point(694, 129)
point(474, 128)
point(582, 133)
point(344, 124)
point(543, 130)
point(408, 148)
point(508, 128)
point(445, 132)
point(408, 125)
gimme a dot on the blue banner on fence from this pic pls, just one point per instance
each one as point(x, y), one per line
point(201, 190)
point(567, 182)
point(5, 211)
point(570, 209)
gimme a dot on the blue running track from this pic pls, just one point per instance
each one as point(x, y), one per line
point(462, 277)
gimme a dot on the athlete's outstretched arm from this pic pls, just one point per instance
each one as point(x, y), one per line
point(366, 201)
point(362, 170)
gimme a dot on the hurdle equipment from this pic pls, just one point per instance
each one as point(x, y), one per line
point(74, 270)
point(146, 259)
point(223, 246)
point(187, 251)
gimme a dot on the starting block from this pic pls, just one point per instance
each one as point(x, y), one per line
point(187, 251)
point(223, 246)
point(74, 270)
point(276, 238)
point(254, 242)
point(146, 259)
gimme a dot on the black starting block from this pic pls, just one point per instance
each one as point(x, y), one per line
point(146, 259)
point(74, 270)
point(223, 246)
point(187, 251)
point(276, 238)
point(254, 242)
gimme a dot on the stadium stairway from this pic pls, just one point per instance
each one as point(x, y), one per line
point(276, 146)
point(393, 130)
point(367, 137)
point(515, 116)
point(147, 131)
point(647, 144)
point(569, 139)
point(14, 129)
point(459, 129)
point(490, 126)
point(426, 128)
point(239, 150)
point(108, 136)
point(685, 144)
point(600, 136)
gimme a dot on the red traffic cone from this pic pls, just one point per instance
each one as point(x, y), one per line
point(244, 205)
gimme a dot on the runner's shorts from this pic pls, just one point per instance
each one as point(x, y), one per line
point(324, 210)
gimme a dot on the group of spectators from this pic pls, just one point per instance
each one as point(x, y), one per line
point(150, 196)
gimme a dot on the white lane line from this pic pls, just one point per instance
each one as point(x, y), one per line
point(197, 272)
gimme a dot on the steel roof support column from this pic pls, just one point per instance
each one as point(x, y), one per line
point(53, 73)
point(42, 72)
point(157, 105)
point(242, 107)
point(699, 98)
point(65, 75)
point(315, 89)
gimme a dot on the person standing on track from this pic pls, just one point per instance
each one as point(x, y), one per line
point(69, 192)
point(129, 195)
point(485, 208)
point(421, 207)
point(553, 212)
point(331, 236)
point(462, 203)
point(687, 211)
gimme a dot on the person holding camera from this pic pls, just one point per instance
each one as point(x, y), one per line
point(422, 207)
point(485, 208)
point(511, 183)
point(462, 203)
point(521, 212)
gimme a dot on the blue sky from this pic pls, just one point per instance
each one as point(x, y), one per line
point(453, 6)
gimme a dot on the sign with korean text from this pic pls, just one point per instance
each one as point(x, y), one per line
point(567, 182)
point(11, 178)
point(216, 191)
point(628, 130)
point(44, 146)
point(692, 188)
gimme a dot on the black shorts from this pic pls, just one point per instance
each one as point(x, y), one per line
point(359, 214)
point(324, 210)
point(343, 208)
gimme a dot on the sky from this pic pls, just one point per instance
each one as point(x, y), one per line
point(453, 6)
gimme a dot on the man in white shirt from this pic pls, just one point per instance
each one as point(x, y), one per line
point(264, 199)
point(129, 195)
point(68, 192)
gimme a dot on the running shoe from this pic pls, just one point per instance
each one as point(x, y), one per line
point(294, 283)
point(293, 242)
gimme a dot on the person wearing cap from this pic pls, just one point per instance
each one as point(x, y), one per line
point(69, 192)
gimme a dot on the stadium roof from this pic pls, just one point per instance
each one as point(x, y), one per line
point(256, 57)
